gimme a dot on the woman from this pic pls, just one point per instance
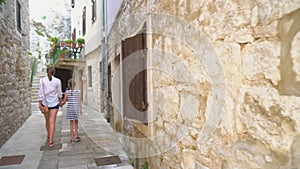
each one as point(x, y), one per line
point(50, 94)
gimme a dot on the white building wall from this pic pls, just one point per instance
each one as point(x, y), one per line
point(91, 94)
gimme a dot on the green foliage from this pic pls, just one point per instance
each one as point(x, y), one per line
point(2, 2)
point(30, 53)
point(54, 39)
point(41, 27)
point(131, 162)
point(80, 40)
point(39, 32)
point(63, 52)
point(145, 166)
point(69, 41)
point(39, 52)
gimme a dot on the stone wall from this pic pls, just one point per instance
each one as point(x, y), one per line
point(92, 94)
point(226, 81)
point(15, 95)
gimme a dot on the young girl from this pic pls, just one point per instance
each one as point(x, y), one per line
point(73, 109)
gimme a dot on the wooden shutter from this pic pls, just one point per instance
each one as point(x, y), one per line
point(136, 89)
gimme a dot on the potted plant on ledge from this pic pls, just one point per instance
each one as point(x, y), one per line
point(69, 42)
point(80, 41)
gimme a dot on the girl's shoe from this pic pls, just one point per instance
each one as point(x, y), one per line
point(77, 139)
point(48, 138)
point(51, 144)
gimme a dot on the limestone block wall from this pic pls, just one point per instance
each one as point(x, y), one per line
point(15, 95)
point(225, 88)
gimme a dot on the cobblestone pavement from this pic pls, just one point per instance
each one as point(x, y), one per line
point(98, 140)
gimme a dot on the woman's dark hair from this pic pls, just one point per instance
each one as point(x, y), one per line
point(50, 71)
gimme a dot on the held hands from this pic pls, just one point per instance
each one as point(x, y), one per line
point(61, 104)
point(40, 107)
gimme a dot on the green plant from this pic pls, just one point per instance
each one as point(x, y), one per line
point(69, 41)
point(145, 166)
point(131, 162)
point(54, 39)
point(80, 40)
point(63, 52)
point(39, 32)
point(39, 52)
point(2, 2)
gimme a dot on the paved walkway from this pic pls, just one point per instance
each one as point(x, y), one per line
point(98, 140)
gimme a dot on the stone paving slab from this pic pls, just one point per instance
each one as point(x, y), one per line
point(93, 130)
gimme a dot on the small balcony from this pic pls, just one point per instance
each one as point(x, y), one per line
point(67, 55)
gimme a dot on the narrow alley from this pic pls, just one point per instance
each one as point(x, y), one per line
point(164, 84)
point(99, 147)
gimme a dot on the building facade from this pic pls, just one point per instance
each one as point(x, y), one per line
point(15, 96)
point(207, 84)
point(85, 23)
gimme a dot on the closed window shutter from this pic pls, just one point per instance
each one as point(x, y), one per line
point(136, 89)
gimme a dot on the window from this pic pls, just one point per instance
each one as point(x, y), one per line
point(72, 3)
point(84, 21)
point(109, 82)
point(74, 35)
point(18, 15)
point(90, 76)
point(94, 10)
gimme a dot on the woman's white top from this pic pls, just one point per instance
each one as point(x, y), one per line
point(52, 91)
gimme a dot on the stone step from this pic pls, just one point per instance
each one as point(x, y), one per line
point(35, 86)
point(36, 81)
point(34, 90)
point(34, 95)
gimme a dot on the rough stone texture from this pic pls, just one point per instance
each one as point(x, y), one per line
point(14, 70)
point(256, 44)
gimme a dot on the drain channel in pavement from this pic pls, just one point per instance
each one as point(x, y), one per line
point(107, 160)
point(11, 160)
